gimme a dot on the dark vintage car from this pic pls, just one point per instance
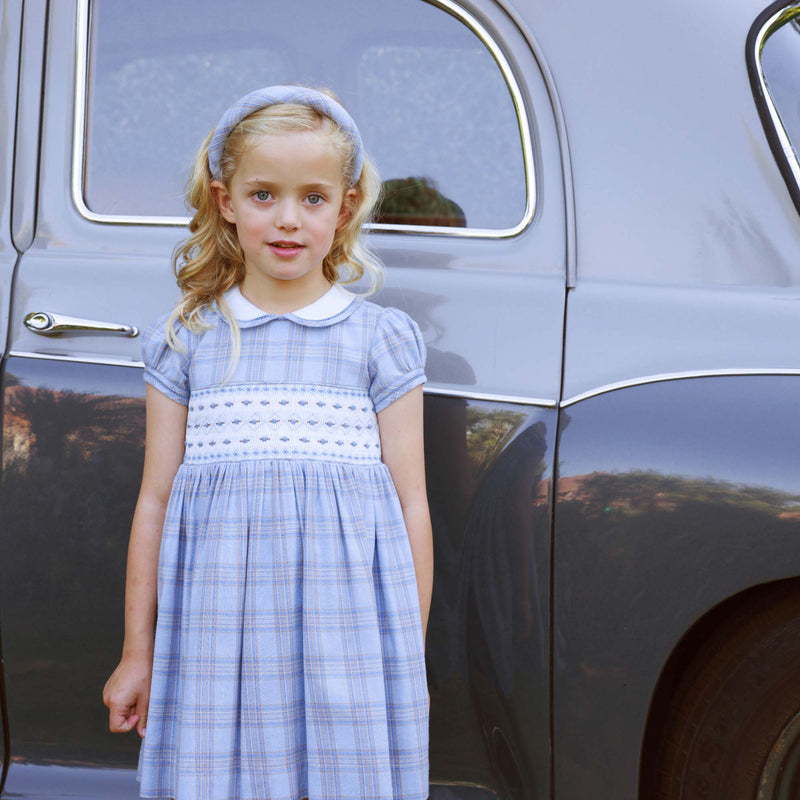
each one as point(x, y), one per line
point(592, 212)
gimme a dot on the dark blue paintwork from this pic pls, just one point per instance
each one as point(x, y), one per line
point(663, 253)
point(672, 498)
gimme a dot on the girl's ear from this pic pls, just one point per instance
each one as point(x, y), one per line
point(348, 201)
point(223, 200)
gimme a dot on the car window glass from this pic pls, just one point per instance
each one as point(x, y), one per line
point(434, 107)
point(780, 62)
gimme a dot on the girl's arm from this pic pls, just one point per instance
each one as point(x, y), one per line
point(127, 691)
point(400, 427)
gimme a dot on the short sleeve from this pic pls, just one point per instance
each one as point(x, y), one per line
point(165, 368)
point(397, 358)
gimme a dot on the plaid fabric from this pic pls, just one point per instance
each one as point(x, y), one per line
point(288, 652)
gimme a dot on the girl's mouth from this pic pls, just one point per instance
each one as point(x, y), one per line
point(285, 248)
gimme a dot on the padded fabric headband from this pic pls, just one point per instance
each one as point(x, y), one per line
point(275, 95)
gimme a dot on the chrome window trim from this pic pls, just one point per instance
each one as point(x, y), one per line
point(482, 396)
point(563, 139)
point(448, 6)
point(673, 376)
point(769, 25)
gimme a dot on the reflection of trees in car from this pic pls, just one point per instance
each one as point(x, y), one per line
point(643, 491)
point(487, 571)
point(745, 668)
point(71, 461)
point(615, 518)
point(417, 201)
point(59, 425)
point(487, 433)
point(500, 581)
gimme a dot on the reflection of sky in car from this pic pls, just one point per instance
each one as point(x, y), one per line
point(428, 96)
point(658, 428)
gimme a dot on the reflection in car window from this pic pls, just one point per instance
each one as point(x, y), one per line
point(433, 105)
point(780, 62)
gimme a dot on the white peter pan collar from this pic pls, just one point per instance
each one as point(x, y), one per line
point(330, 304)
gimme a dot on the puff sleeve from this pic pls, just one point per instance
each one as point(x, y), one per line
point(166, 369)
point(396, 359)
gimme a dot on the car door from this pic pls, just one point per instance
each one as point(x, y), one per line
point(460, 121)
point(11, 36)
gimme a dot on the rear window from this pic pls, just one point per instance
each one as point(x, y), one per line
point(780, 61)
point(777, 67)
point(437, 110)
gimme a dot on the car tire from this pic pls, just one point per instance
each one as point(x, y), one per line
point(732, 730)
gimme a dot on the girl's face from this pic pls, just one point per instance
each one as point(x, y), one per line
point(287, 199)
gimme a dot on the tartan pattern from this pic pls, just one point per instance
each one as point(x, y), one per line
point(288, 655)
point(274, 95)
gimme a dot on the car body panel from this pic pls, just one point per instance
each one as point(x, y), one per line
point(674, 180)
point(10, 45)
point(73, 401)
point(38, 782)
point(71, 464)
point(672, 498)
point(606, 463)
point(88, 260)
point(492, 518)
point(635, 333)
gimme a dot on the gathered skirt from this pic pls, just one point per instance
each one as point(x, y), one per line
point(289, 660)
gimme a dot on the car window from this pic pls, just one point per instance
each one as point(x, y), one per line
point(779, 67)
point(434, 105)
point(780, 61)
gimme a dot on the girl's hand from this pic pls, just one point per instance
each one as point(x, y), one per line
point(127, 695)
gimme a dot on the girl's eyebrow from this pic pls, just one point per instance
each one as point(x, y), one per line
point(258, 182)
point(308, 187)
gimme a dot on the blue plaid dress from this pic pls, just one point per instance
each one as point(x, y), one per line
point(288, 651)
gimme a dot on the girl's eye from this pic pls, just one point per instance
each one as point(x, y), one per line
point(263, 195)
point(315, 199)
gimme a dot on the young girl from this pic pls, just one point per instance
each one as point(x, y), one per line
point(281, 545)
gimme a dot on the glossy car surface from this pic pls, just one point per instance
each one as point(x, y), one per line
point(592, 213)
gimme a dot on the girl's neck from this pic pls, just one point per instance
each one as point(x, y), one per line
point(283, 297)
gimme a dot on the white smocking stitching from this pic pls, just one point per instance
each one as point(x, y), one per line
point(284, 421)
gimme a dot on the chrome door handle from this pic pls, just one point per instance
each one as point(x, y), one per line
point(51, 324)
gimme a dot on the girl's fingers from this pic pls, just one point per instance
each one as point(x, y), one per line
point(127, 699)
point(122, 719)
point(131, 721)
point(141, 725)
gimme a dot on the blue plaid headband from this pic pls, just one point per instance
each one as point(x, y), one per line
point(275, 95)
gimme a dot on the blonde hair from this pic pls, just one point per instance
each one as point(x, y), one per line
point(210, 261)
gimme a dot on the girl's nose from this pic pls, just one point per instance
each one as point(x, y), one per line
point(288, 216)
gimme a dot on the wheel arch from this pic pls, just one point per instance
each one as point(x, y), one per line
point(684, 657)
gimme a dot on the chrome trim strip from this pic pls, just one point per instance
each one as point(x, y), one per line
point(106, 362)
point(483, 396)
point(563, 138)
point(79, 135)
point(673, 376)
point(433, 390)
point(777, 20)
point(79, 111)
point(492, 398)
